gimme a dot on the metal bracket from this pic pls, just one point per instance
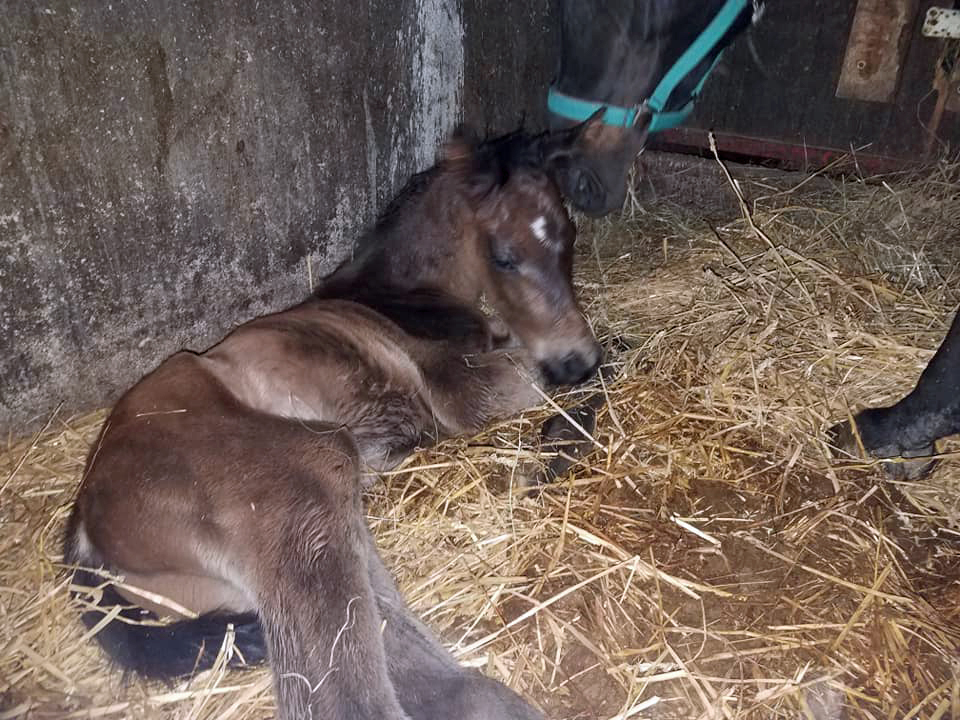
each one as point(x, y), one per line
point(942, 23)
point(876, 48)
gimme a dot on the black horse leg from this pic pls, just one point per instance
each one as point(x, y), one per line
point(428, 681)
point(910, 428)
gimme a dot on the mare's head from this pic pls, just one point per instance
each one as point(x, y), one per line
point(615, 55)
point(521, 259)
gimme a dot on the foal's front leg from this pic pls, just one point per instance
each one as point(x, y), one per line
point(469, 392)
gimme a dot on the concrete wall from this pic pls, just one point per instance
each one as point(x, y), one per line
point(170, 168)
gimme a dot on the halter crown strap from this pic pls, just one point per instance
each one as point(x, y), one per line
point(577, 109)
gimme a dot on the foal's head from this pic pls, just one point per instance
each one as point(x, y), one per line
point(517, 251)
point(507, 238)
point(486, 222)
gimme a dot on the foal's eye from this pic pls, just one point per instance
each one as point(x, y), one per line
point(504, 263)
point(501, 254)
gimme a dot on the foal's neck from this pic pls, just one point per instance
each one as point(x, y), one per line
point(417, 268)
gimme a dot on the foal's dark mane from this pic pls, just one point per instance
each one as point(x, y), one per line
point(423, 311)
point(492, 162)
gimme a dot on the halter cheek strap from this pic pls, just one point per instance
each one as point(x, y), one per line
point(578, 109)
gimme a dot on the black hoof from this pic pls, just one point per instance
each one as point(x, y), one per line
point(898, 463)
point(559, 435)
point(564, 438)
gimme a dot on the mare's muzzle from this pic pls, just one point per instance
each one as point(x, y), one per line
point(588, 192)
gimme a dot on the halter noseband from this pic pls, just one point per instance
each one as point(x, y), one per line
point(578, 109)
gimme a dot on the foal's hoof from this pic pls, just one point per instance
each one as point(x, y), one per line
point(470, 695)
point(561, 436)
point(898, 463)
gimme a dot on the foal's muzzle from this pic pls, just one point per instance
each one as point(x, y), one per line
point(572, 369)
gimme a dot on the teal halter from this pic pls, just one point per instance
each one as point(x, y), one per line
point(579, 110)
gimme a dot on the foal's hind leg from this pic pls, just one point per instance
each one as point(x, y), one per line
point(428, 681)
point(316, 602)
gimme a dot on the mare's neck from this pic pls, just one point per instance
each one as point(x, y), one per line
point(620, 54)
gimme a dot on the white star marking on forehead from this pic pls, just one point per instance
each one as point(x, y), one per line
point(539, 229)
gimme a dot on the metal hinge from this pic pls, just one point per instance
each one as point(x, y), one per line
point(942, 23)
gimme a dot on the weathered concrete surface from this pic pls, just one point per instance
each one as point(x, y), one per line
point(171, 168)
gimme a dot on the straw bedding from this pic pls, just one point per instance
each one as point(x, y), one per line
point(707, 559)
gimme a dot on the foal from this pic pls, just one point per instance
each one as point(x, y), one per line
point(228, 482)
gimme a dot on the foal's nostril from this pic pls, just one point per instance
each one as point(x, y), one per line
point(574, 366)
point(571, 369)
point(590, 366)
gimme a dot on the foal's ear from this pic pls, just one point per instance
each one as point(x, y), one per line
point(460, 147)
point(459, 155)
point(590, 130)
point(457, 151)
point(460, 163)
point(596, 134)
point(592, 136)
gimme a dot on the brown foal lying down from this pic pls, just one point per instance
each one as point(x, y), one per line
point(229, 482)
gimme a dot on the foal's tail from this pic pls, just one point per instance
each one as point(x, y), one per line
point(135, 640)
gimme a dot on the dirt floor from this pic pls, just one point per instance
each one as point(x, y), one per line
point(709, 558)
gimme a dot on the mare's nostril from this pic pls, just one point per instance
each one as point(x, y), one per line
point(550, 374)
